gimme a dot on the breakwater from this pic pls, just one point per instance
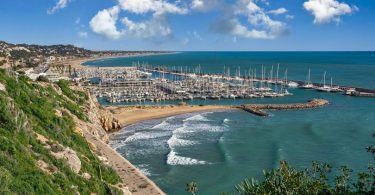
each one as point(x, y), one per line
point(258, 109)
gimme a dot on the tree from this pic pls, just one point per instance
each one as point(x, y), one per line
point(317, 180)
point(192, 187)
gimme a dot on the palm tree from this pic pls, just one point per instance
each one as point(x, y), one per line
point(192, 187)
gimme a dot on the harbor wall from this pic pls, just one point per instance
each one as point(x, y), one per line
point(258, 109)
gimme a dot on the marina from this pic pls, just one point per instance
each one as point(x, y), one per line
point(141, 83)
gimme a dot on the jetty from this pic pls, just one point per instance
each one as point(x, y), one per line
point(258, 109)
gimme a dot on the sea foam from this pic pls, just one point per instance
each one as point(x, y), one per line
point(163, 125)
point(174, 159)
point(174, 141)
point(198, 117)
point(226, 121)
point(145, 135)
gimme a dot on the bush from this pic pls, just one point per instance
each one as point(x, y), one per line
point(42, 78)
point(288, 180)
point(19, 149)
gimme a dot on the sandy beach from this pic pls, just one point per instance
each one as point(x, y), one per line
point(135, 180)
point(128, 115)
point(77, 63)
point(136, 114)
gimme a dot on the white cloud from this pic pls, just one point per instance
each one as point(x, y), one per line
point(260, 25)
point(61, 4)
point(104, 23)
point(156, 26)
point(156, 6)
point(205, 5)
point(152, 18)
point(234, 27)
point(82, 34)
point(290, 17)
point(326, 11)
point(278, 11)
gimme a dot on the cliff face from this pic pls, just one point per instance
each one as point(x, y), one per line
point(100, 121)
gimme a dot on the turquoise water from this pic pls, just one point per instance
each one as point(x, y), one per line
point(346, 68)
point(219, 149)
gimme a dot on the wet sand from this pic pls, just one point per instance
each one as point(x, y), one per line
point(136, 114)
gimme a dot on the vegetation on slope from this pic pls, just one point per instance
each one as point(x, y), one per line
point(317, 180)
point(27, 108)
point(288, 180)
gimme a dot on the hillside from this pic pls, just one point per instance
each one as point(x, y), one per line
point(42, 149)
point(26, 55)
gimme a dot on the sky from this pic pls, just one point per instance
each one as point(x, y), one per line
point(192, 25)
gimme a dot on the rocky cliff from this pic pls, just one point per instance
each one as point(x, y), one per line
point(100, 121)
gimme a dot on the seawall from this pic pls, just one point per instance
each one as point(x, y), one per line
point(257, 109)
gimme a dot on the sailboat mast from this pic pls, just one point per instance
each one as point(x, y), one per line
point(308, 79)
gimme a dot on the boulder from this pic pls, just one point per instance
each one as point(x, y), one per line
point(79, 131)
point(86, 176)
point(2, 87)
point(71, 157)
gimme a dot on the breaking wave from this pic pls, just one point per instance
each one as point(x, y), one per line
point(225, 121)
point(145, 135)
point(198, 117)
point(174, 159)
point(174, 141)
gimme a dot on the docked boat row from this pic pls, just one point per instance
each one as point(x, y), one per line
point(143, 83)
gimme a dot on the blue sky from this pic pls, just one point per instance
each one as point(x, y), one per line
point(192, 25)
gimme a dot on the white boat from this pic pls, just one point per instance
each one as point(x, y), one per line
point(324, 88)
point(292, 84)
point(289, 83)
point(335, 88)
point(308, 85)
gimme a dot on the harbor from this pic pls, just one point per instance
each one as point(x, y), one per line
point(143, 83)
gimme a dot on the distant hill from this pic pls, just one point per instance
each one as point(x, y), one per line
point(31, 55)
point(25, 55)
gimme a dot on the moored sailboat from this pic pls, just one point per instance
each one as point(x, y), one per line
point(324, 88)
point(308, 85)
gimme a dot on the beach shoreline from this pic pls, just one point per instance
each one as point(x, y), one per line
point(136, 181)
point(129, 115)
point(78, 63)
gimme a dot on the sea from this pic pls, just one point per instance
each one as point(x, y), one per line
point(217, 150)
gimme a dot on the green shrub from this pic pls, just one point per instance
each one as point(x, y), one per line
point(19, 149)
point(42, 79)
point(289, 180)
